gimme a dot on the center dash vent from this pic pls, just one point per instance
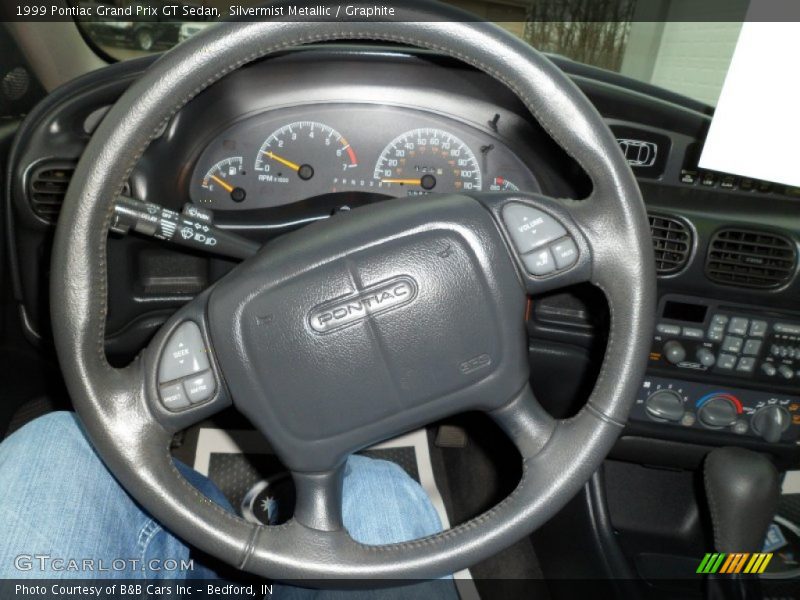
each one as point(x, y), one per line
point(47, 187)
point(672, 243)
point(755, 259)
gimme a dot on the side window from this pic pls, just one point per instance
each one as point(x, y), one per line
point(19, 88)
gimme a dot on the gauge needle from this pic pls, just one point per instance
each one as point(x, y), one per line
point(223, 184)
point(283, 161)
point(403, 181)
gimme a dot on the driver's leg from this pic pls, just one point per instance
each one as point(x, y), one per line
point(58, 500)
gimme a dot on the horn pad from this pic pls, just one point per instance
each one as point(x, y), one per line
point(369, 324)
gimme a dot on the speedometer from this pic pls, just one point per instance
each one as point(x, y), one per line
point(427, 160)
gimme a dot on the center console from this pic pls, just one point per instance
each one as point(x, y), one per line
point(720, 371)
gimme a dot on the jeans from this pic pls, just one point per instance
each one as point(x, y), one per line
point(58, 500)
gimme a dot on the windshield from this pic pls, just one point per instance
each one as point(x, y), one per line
point(687, 57)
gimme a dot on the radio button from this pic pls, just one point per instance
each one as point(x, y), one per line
point(758, 328)
point(732, 344)
point(716, 333)
point(667, 329)
point(752, 347)
point(746, 364)
point(719, 320)
point(786, 371)
point(693, 333)
point(726, 361)
point(787, 328)
point(706, 357)
point(738, 325)
point(768, 369)
point(674, 352)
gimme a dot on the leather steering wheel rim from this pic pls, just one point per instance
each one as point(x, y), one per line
point(558, 456)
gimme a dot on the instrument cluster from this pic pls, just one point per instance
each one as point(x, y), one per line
point(290, 155)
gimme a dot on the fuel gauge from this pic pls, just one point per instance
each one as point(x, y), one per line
point(501, 184)
point(224, 181)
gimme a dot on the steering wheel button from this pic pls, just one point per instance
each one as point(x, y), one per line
point(199, 388)
point(565, 253)
point(530, 227)
point(184, 354)
point(173, 397)
point(540, 262)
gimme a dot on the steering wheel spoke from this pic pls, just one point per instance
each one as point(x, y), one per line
point(318, 503)
point(525, 421)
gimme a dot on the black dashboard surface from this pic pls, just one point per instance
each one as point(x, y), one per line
point(302, 135)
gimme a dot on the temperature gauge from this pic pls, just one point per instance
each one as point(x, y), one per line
point(224, 182)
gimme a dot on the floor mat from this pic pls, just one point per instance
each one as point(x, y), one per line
point(245, 469)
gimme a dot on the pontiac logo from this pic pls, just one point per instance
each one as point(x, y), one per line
point(373, 300)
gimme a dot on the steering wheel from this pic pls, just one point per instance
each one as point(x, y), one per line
point(362, 327)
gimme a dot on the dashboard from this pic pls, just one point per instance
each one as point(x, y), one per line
point(307, 134)
point(290, 155)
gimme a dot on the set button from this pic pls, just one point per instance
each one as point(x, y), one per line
point(184, 371)
point(542, 241)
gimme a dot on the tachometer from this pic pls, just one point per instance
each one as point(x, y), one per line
point(303, 150)
point(428, 160)
point(224, 181)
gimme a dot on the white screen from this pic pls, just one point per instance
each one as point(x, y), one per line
point(756, 127)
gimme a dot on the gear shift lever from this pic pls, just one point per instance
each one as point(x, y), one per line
point(742, 490)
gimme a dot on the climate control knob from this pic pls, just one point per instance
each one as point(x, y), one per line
point(718, 412)
point(665, 405)
point(770, 422)
point(674, 352)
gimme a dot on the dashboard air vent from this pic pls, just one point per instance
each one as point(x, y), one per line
point(672, 243)
point(754, 259)
point(47, 187)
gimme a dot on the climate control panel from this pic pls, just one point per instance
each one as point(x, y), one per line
point(774, 418)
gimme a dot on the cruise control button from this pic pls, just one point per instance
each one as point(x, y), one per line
point(200, 388)
point(540, 262)
point(565, 253)
point(184, 354)
point(173, 397)
point(530, 227)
